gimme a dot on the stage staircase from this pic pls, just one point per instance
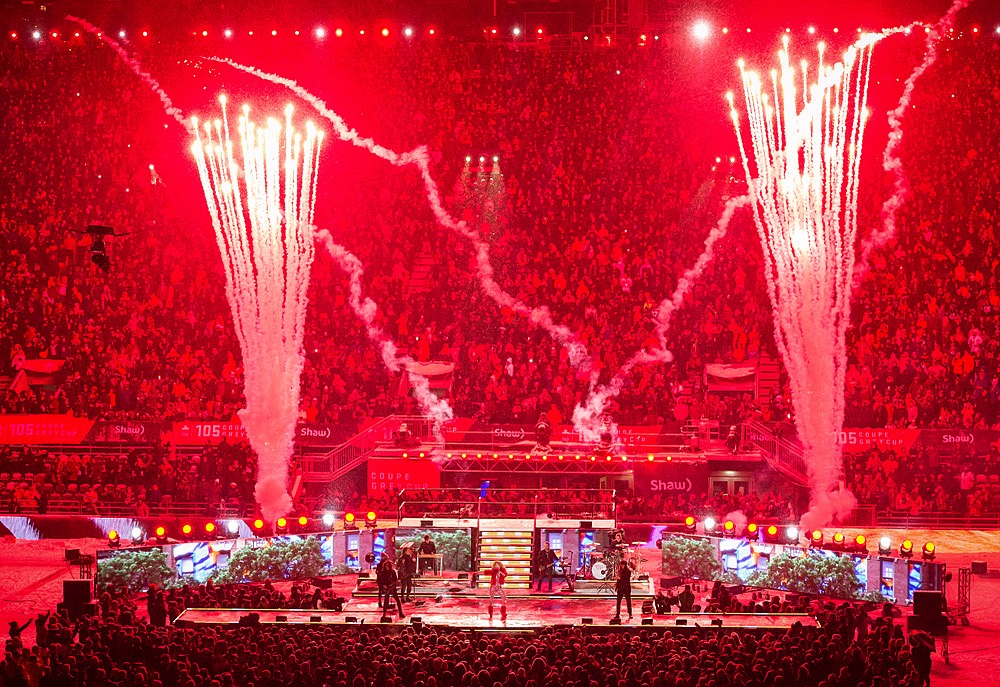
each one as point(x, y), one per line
point(511, 543)
point(423, 263)
point(768, 379)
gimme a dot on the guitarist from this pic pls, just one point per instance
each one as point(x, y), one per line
point(546, 565)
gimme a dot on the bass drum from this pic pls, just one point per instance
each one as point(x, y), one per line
point(599, 570)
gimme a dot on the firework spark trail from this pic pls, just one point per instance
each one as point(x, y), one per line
point(539, 316)
point(891, 160)
point(366, 310)
point(805, 208)
point(261, 203)
point(587, 417)
point(135, 66)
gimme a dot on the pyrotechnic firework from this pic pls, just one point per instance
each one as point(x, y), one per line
point(539, 316)
point(366, 309)
point(806, 147)
point(261, 202)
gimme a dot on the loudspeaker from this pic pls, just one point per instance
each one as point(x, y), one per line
point(670, 582)
point(322, 582)
point(979, 567)
point(716, 622)
point(350, 619)
point(385, 619)
point(416, 619)
point(586, 621)
point(647, 608)
point(927, 602)
point(586, 524)
point(681, 621)
point(647, 621)
point(615, 621)
point(76, 592)
point(427, 523)
point(315, 619)
point(281, 618)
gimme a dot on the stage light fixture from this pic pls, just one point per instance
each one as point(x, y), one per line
point(861, 544)
point(137, 535)
point(281, 524)
point(752, 531)
point(729, 527)
point(258, 525)
point(929, 551)
point(371, 519)
point(884, 545)
point(816, 538)
point(233, 527)
point(186, 530)
point(210, 529)
point(328, 519)
point(320, 32)
point(430, 31)
point(701, 30)
point(516, 31)
point(114, 541)
point(338, 33)
point(161, 534)
point(772, 531)
point(303, 521)
point(37, 35)
point(121, 34)
point(274, 32)
point(689, 523)
point(228, 33)
point(385, 32)
point(350, 522)
point(839, 539)
point(709, 524)
point(906, 549)
point(792, 534)
point(145, 34)
point(408, 32)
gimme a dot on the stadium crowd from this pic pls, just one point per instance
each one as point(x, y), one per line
point(601, 203)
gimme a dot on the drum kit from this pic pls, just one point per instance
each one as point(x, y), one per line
point(604, 564)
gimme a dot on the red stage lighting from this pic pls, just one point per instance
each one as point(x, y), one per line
point(772, 530)
point(752, 530)
point(371, 519)
point(114, 541)
point(258, 524)
point(186, 529)
point(303, 521)
point(816, 538)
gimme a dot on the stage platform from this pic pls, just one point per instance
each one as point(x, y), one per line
point(431, 587)
point(523, 615)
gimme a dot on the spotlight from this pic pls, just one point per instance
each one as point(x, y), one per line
point(328, 519)
point(650, 457)
point(303, 521)
point(408, 32)
point(752, 531)
point(258, 525)
point(482, 159)
point(37, 35)
point(929, 551)
point(121, 34)
point(161, 534)
point(145, 34)
point(812, 29)
point(838, 540)
point(55, 34)
point(274, 32)
point(772, 531)
point(792, 534)
point(689, 523)
point(371, 519)
point(729, 527)
point(320, 32)
point(861, 544)
point(350, 521)
point(338, 33)
point(210, 529)
point(709, 524)
point(517, 31)
point(385, 32)
point(430, 31)
point(816, 538)
point(468, 159)
point(228, 33)
point(701, 30)
point(281, 524)
point(884, 545)
point(114, 541)
point(137, 535)
point(496, 158)
point(906, 549)
point(540, 31)
point(233, 527)
point(186, 530)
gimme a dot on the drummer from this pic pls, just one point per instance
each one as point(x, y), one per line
point(617, 540)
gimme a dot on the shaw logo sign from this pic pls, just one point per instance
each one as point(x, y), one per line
point(660, 485)
point(670, 478)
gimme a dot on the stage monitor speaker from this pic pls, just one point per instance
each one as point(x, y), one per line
point(927, 603)
point(427, 523)
point(385, 619)
point(281, 618)
point(350, 619)
point(647, 621)
point(681, 621)
point(76, 592)
point(416, 619)
point(615, 621)
point(322, 582)
point(979, 567)
point(670, 582)
point(586, 524)
point(716, 622)
point(72, 555)
point(647, 608)
point(586, 621)
point(315, 619)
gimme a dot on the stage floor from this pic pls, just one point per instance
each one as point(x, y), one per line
point(523, 613)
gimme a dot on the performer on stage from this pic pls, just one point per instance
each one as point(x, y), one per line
point(623, 588)
point(387, 579)
point(497, 576)
point(427, 548)
point(407, 568)
point(546, 565)
point(378, 578)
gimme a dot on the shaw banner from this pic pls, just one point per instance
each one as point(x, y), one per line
point(393, 474)
point(43, 429)
point(670, 477)
point(859, 440)
point(124, 432)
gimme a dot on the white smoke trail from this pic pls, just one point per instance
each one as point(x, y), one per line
point(262, 213)
point(135, 66)
point(891, 161)
point(539, 316)
point(366, 309)
point(805, 209)
point(587, 417)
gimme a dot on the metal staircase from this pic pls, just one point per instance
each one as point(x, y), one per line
point(784, 456)
point(513, 548)
point(768, 379)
